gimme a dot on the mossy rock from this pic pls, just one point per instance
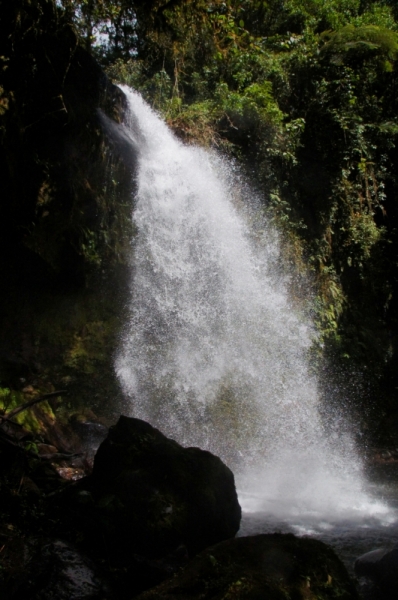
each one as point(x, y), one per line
point(271, 567)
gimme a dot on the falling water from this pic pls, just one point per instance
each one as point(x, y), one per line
point(214, 353)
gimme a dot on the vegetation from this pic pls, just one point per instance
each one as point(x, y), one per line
point(304, 93)
point(64, 219)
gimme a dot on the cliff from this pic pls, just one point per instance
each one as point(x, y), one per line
point(64, 224)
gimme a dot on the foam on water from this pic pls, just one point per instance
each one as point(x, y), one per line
point(214, 353)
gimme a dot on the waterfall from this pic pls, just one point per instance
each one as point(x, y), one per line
point(214, 352)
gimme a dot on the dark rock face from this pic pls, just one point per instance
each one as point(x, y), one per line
point(271, 567)
point(52, 166)
point(150, 495)
point(64, 215)
point(56, 571)
point(50, 137)
point(381, 566)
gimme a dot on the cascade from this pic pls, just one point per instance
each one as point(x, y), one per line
point(214, 352)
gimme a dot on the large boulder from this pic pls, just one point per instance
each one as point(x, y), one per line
point(272, 567)
point(381, 566)
point(148, 495)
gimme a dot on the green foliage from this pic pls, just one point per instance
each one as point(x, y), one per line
point(304, 92)
point(89, 246)
point(254, 102)
point(361, 43)
point(128, 72)
point(87, 348)
point(10, 399)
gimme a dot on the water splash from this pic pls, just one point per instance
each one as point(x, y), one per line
point(214, 353)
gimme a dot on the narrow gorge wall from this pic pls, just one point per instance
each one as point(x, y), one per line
point(64, 227)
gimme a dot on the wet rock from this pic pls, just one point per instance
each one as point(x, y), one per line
point(70, 473)
point(90, 434)
point(272, 567)
point(46, 449)
point(119, 138)
point(148, 495)
point(144, 573)
point(55, 571)
point(381, 566)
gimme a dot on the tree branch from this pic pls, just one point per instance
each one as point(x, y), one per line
point(22, 407)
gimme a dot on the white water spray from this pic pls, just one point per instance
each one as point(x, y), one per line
point(214, 354)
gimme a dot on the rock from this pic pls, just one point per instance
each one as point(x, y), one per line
point(90, 434)
point(46, 449)
point(64, 229)
point(69, 473)
point(29, 389)
point(145, 573)
point(271, 567)
point(148, 495)
point(382, 567)
point(29, 487)
point(55, 571)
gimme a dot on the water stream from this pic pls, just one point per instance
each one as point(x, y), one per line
point(215, 353)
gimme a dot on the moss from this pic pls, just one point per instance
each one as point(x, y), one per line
point(276, 567)
point(30, 418)
point(4, 99)
point(89, 348)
